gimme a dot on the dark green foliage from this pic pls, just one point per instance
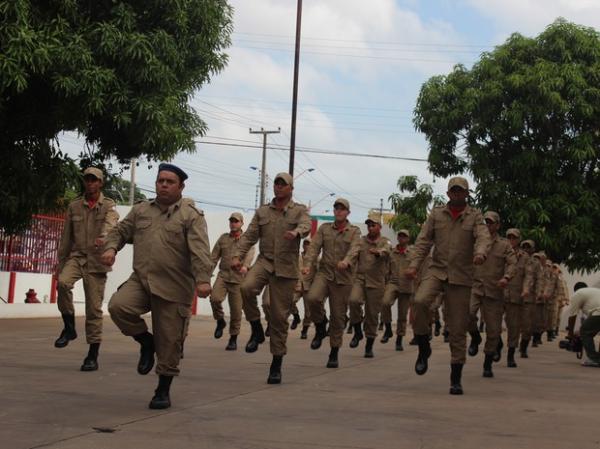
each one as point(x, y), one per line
point(525, 122)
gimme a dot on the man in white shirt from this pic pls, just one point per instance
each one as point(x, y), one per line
point(588, 301)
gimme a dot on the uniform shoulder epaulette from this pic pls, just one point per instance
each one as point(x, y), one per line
point(192, 204)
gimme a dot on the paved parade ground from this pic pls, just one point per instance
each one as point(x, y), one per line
point(222, 400)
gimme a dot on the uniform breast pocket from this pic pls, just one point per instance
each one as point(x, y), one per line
point(173, 233)
point(77, 221)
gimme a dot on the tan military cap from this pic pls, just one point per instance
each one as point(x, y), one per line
point(343, 202)
point(237, 216)
point(403, 231)
point(514, 232)
point(93, 171)
point(458, 181)
point(285, 177)
point(491, 215)
point(370, 220)
point(528, 242)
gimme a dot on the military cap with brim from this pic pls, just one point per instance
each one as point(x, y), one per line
point(403, 231)
point(237, 216)
point(528, 242)
point(95, 172)
point(458, 181)
point(342, 202)
point(285, 177)
point(370, 220)
point(174, 169)
point(514, 232)
point(491, 215)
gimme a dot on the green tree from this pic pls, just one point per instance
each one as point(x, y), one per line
point(120, 73)
point(412, 204)
point(525, 122)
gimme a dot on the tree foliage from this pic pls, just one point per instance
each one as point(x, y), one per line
point(525, 122)
point(120, 73)
point(412, 204)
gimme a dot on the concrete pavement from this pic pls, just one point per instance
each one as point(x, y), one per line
point(222, 400)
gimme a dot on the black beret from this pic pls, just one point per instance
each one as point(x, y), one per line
point(173, 168)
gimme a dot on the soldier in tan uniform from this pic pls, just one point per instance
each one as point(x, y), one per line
point(339, 244)
point(278, 227)
point(539, 322)
point(369, 285)
point(563, 300)
point(489, 281)
point(460, 240)
point(87, 222)
point(228, 281)
point(398, 288)
point(551, 291)
point(528, 318)
point(303, 287)
point(171, 260)
point(517, 297)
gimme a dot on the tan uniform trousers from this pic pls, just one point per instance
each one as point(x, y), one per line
point(513, 314)
point(93, 287)
point(492, 311)
point(390, 296)
point(338, 295)
point(372, 299)
point(551, 313)
point(170, 322)
point(281, 298)
point(558, 315)
point(539, 323)
point(220, 290)
point(307, 321)
point(456, 313)
point(527, 312)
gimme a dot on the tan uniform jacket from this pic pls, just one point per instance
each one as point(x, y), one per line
point(500, 262)
point(551, 284)
point(223, 251)
point(171, 252)
point(455, 244)
point(276, 254)
point(537, 280)
point(565, 292)
point(336, 247)
point(521, 281)
point(82, 227)
point(374, 268)
point(398, 264)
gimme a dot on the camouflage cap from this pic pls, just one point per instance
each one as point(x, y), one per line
point(285, 177)
point(458, 181)
point(95, 172)
point(514, 232)
point(528, 242)
point(343, 202)
point(237, 216)
point(403, 231)
point(491, 215)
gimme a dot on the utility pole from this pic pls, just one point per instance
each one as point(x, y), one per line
point(132, 165)
point(295, 88)
point(381, 211)
point(263, 170)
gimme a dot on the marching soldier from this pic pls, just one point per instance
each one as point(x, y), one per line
point(171, 260)
point(529, 314)
point(88, 221)
point(369, 285)
point(562, 301)
point(460, 240)
point(278, 227)
point(228, 281)
point(489, 281)
point(339, 244)
point(539, 322)
point(302, 289)
point(517, 297)
point(398, 288)
point(551, 291)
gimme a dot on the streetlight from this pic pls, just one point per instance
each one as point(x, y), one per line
point(325, 197)
point(304, 171)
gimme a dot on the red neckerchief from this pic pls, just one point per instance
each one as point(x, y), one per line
point(373, 241)
point(235, 235)
point(92, 203)
point(401, 249)
point(340, 228)
point(456, 211)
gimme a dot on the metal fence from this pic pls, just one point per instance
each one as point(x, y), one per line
point(34, 250)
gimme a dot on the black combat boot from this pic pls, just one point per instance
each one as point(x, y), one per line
point(475, 342)
point(424, 354)
point(388, 333)
point(68, 333)
point(455, 378)
point(498, 353)
point(437, 328)
point(232, 344)
point(369, 348)
point(446, 336)
point(350, 327)
point(358, 335)
point(487, 365)
point(534, 340)
point(523, 349)
point(257, 337)
point(549, 336)
point(221, 324)
point(380, 327)
point(510, 358)
point(90, 363)
point(146, 361)
point(333, 358)
point(295, 321)
point(413, 341)
point(320, 334)
point(275, 370)
point(399, 346)
point(304, 333)
point(267, 330)
point(161, 399)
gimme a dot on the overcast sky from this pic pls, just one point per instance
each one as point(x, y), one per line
point(362, 64)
